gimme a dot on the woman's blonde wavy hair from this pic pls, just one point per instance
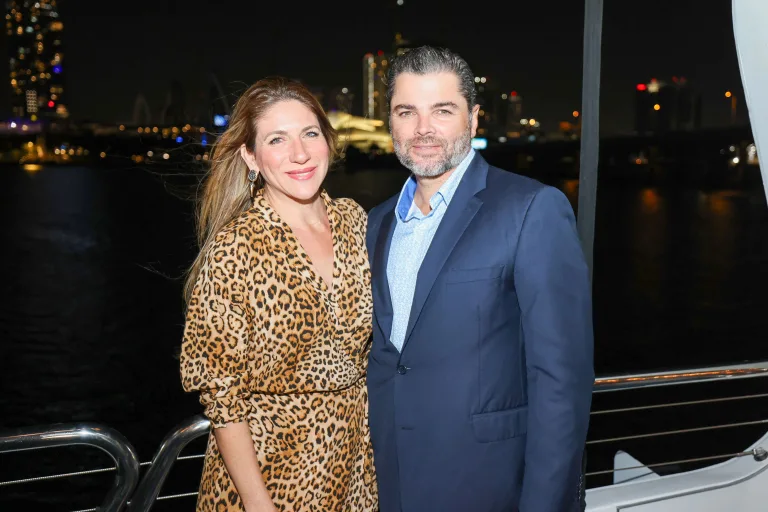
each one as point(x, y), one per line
point(226, 189)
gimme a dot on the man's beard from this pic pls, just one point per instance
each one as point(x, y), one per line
point(453, 152)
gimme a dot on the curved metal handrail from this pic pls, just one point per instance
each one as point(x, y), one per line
point(104, 438)
point(166, 455)
point(676, 377)
point(148, 490)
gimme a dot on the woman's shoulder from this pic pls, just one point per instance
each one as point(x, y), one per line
point(246, 228)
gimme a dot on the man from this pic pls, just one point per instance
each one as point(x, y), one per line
point(480, 375)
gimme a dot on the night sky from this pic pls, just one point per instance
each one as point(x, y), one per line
point(116, 50)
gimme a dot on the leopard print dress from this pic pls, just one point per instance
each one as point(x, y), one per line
point(267, 342)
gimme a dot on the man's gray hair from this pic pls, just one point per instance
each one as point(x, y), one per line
point(427, 59)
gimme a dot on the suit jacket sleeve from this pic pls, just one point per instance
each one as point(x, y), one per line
point(552, 283)
point(372, 232)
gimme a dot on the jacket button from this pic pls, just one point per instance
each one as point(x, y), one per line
point(402, 370)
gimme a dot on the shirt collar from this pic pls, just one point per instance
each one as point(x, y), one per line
point(406, 209)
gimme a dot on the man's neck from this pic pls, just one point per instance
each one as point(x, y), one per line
point(428, 187)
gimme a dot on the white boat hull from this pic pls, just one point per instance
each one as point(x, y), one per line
point(738, 484)
point(750, 18)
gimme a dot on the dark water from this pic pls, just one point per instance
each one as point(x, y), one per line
point(91, 309)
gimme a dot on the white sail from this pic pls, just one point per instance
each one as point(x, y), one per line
point(750, 19)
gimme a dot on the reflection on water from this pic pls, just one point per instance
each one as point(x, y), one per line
point(32, 168)
point(91, 309)
point(649, 199)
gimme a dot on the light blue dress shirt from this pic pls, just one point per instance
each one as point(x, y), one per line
point(411, 240)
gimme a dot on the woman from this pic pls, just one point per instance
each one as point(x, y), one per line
point(279, 315)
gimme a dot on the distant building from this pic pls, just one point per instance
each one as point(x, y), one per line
point(514, 123)
point(375, 69)
point(175, 108)
point(500, 112)
point(343, 100)
point(34, 33)
point(666, 106)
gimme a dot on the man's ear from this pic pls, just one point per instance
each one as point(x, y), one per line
point(475, 115)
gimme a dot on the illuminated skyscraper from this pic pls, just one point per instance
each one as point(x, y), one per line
point(375, 69)
point(665, 106)
point(36, 53)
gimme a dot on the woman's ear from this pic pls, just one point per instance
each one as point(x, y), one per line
point(249, 158)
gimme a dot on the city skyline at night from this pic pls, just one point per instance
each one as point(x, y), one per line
point(34, 39)
point(521, 47)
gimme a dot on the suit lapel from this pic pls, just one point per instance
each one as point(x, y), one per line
point(383, 313)
point(462, 209)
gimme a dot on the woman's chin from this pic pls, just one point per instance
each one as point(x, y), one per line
point(302, 191)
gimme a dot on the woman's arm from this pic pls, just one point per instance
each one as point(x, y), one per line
point(218, 338)
point(237, 450)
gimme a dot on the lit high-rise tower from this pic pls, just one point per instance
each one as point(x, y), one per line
point(375, 69)
point(36, 53)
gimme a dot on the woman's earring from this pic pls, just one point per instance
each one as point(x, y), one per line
point(252, 174)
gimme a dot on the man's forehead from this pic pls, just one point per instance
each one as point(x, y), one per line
point(442, 86)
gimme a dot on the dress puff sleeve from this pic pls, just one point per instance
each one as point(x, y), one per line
point(218, 331)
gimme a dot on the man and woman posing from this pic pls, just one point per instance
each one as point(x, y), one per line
point(434, 355)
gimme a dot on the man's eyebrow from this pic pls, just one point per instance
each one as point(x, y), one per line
point(440, 104)
point(445, 104)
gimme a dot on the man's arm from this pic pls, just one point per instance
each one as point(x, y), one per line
point(553, 287)
point(372, 231)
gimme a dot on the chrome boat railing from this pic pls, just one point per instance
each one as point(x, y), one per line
point(143, 497)
point(168, 453)
point(104, 438)
point(677, 377)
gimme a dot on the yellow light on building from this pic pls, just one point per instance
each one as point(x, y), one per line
point(657, 107)
point(728, 94)
point(575, 113)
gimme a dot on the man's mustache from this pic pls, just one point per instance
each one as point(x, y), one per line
point(425, 141)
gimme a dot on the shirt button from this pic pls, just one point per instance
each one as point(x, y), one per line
point(402, 370)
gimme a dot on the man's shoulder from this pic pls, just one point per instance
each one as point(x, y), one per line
point(514, 189)
point(513, 196)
